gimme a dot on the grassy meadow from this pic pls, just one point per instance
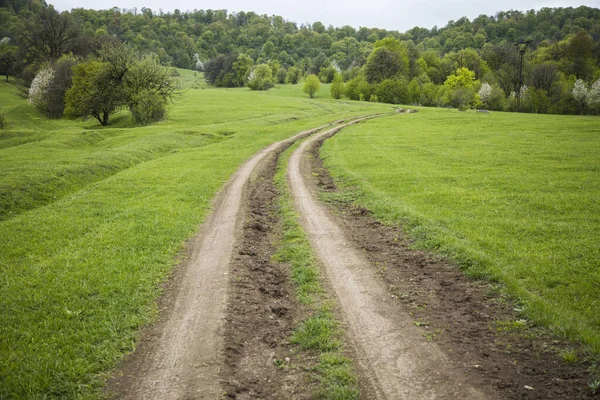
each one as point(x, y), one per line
point(514, 197)
point(92, 220)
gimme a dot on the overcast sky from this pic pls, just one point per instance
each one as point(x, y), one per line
point(398, 15)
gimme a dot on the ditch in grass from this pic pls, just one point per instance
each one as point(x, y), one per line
point(321, 333)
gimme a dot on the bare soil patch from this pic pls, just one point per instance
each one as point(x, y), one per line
point(262, 312)
point(472, 324)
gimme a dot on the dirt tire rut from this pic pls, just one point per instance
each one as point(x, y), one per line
point(393, 354)
point(180, 356)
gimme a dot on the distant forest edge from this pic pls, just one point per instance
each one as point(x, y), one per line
point(544, 61)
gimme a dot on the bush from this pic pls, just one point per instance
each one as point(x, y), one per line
point(261, 78)
point(327, 74)
point(337, 86)
point(358, 88)
point(293, 75)
point(393, 91)
point(148, 108)
point(311, 85)
point(281, 75)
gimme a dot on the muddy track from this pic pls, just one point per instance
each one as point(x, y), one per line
point(180, 357)
point(392, 352)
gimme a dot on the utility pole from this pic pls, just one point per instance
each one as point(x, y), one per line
point(522, 46)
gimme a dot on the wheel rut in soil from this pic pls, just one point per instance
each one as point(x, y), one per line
point(180, 357)
point(397, 360)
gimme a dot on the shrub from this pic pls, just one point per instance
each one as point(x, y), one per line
point(327, 74)
point(311, 85)
point(337, 86)
point(293, 75)
point(358, 87)
point(281, 75)
point(261, 78)
point(393, 91)
point(148, 108)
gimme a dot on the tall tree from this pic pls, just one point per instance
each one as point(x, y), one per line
point(49, 35)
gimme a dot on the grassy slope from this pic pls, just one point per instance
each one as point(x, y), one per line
point(81, 268)
point(510, 195)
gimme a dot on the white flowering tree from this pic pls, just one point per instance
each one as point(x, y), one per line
point(38, 92)
point(593, 97)
point(199, 65)
point(485, 93)
point(580, 94)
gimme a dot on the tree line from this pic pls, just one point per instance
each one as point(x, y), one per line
point(544, 61)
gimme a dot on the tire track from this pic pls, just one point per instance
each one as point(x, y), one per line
point(181, 355)
point(396, 359)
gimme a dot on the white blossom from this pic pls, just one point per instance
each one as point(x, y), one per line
point(593, 97)
point(485, 92)
point(580, 92)
point(39, 87)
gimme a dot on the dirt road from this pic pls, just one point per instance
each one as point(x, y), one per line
point(179, 356)
point(397, 359)
point(229, 310)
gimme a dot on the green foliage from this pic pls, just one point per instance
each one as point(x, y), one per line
point(327, 74)
point(393, 91)
point(293, 75)
point(261, 78)
point(122, 78)
point(8, 58)
point(2, 118)
point(242, 67)
point(94, 93)
point(358, 88)
point(461, 78)
point(62, 81)
point(337, 87)
point(281, 75)
point(311, 85)
point(148, 107)
point(220, 71)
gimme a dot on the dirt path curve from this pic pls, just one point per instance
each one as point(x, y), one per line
point(396, 359)
point(179, 357)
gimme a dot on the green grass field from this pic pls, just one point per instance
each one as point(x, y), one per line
point(93, 219)
point(515, 197)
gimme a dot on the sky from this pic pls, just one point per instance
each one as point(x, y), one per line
point(399, 15)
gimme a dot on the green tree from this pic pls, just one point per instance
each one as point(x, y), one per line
point(94, 93)
point(388, 60)
point(393, 91)
point(337, 86)
point(462, 77)
point(261, 78)
point(293, 75)
point(311, 85)
point(8, 58)
point(242, 68)
point(280, 75)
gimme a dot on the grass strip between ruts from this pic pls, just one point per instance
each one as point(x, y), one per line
point(320, 333)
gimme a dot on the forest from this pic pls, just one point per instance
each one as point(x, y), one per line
point(541, 61)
